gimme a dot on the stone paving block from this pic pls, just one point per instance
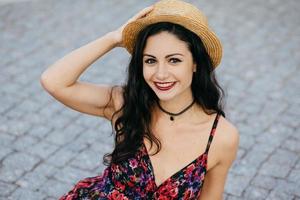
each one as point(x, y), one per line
point(25, 194)
point(31, 181)
point(15, 165)
point(54, 188)
point(50, 198)
point(91, 136)
point(7, 102)
point(6, 189)
point(246, 141)
point(293, 110)
point(15, 113)
point(24, 142)
point(6, 139)
point(28, 105)
point(86, 160)
point(289, 120)
point(284, 157)
point(297, 166)
point(72, 175)
point(104, 128)
point(274, 169)
point(231, 197)
point(88, 121)
point(49, 110)
point(41, 98)
point(5, 152)
point(292, 144)
point(102, 147)
point(64, 136)
point(61, 157)
point(256, 156)
point(46, 170)
point(288, 187)
point(42, 149)
point(273, 138)
point(60, 121)
point(248, 129)
point(33, 118)
point(276, 195)
point(241, 153)
point(15, 127)
point(296, 134)
point(10, 174)
point(238, 183)
point(294, 176)
point(40, 131)
point(72, 114)
point(243, 169)
point(76, 145)
point(263, 181)
point(255, 193)
point(5, 107)
point(10, 87)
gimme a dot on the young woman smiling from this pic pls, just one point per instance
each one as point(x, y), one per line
point(171, 99)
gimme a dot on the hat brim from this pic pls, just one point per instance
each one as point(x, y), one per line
point(210, 40)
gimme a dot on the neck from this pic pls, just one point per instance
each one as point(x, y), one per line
point(176, 109)
point(194, 115)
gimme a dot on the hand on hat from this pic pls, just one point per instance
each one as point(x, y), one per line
point(118, 33)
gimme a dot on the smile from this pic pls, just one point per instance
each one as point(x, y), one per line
point(164, 85)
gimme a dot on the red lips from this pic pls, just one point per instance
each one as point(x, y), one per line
point(164, 86)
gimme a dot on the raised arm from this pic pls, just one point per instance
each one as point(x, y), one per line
point(61, 78)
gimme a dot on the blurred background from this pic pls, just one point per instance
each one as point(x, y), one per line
point(45, 147)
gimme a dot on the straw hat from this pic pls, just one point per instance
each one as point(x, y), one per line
point(178, 12)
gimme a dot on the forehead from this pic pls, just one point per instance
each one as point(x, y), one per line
point(165, 43)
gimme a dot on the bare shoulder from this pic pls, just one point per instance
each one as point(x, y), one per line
point(118, 101)
point(227, 139)
point(118, 97)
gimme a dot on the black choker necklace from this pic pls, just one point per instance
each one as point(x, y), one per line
point(175, 114)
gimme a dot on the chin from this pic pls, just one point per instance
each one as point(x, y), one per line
point(164, 97)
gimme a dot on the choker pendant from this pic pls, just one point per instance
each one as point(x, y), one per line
point(172, 115)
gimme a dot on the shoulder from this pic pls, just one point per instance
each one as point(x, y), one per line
point(118, 101)
point(227, 138)
point(117, 95)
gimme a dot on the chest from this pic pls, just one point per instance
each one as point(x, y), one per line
point(179, 147)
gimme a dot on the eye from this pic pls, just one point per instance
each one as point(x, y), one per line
point(149, 61)
point(175, 60)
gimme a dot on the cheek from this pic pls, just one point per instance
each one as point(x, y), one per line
point(187, 76)
point(147, 74)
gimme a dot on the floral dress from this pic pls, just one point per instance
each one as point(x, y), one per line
point(134, 180)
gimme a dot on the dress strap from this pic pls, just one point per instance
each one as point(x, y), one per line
point(212, 132)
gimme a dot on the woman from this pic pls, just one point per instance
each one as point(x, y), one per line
point(171, 99)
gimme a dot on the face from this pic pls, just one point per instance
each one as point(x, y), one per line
point(168, 67)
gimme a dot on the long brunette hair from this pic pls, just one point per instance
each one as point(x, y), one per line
point(133, 124)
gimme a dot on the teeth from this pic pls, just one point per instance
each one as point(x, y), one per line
point(164, 84)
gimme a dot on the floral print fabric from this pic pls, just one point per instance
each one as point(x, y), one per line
point(134, 180)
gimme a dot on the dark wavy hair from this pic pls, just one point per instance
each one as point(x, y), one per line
point(133, 124)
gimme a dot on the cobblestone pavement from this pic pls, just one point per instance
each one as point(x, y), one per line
point(46, 147)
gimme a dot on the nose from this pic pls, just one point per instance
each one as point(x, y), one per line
point(162, 72)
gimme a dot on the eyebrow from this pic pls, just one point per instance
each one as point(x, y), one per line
point(166, 55)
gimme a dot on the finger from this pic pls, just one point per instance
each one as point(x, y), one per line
point(142, 13)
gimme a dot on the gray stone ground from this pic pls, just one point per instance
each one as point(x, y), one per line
point(46, 147)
